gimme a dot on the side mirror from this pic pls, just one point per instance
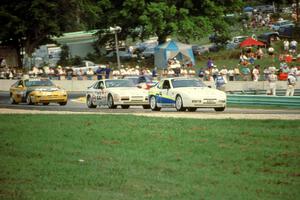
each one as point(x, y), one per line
point(101, 87)
point(20, 86)
point(209, 86)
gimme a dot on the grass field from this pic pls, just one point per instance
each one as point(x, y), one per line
point(127, 157)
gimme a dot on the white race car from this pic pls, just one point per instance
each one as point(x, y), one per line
point(116, 92)
point(185, 93)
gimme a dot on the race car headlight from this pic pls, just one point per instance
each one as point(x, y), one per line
point(222, 101)
point(116, 96)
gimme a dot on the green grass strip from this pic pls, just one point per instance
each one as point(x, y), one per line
point(129, 157)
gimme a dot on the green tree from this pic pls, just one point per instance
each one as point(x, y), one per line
point(184, 18)
point(27, 24)
point(64, 56)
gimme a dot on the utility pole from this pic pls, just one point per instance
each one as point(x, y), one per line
point(116, 29)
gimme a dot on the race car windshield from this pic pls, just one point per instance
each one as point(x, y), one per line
point(187, 83)
point(119, 83)
point(33, 83)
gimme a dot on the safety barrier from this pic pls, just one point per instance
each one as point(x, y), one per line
point(264, 100)
point(279, 92)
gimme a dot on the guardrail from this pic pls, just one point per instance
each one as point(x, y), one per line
point(279, 92)
point(264, 100)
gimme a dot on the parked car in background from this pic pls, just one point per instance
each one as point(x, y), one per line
point(235, 41)
point(286, 32)
point(185, 93)
point(125, 55)
point(283, 23)
point(116, 92)
point(199, 50)
point(34, 91)
point(265, 8)
point(268, 37)
point(148, 52)
point(86, 65)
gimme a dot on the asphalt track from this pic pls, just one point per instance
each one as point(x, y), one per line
point(74, 106)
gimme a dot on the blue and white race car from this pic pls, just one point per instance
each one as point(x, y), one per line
point(185, 93)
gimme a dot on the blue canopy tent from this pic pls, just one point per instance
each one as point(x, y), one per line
point(170, 50)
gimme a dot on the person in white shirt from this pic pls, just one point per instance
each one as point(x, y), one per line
point(272, 79)
point(224, 73)
point(286, 45)
point(255, 73)
point(291, 82)
point(231, 74)
point(293, 45)
point(90, 74)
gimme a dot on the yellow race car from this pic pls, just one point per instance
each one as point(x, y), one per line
point(34, 91)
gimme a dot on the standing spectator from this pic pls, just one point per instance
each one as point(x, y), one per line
point(259, 53)
point(201, 74)
point(237, 73)
point(272, 79)
point(266, 73)
point(286, 45)
point(90, 74)
point(224, 73)
point(220, 82)
point(210, 63)
point(80, 74)
point(59, 72)
point(231, 74)
point(255, 73)
point(107, 72)
point(293, 45)
point(99, 73)
point(154, 72)
point(215, 72)
point(291, 81)
point(245, 71)
point(271, 51)
point(69, 72)
point(51, 73)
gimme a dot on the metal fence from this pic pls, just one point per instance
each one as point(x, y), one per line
point(264, 100)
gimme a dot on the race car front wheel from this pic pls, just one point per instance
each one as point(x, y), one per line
point(110, 102)
point(153, 104)
point(28, 100)
point(89, 102)
point(179, 103)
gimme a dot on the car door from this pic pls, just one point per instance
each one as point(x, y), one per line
point(165, 98)
point(98, 93)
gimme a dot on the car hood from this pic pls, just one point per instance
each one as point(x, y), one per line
point(202, 91)
point(44, 88)
point(126, 91)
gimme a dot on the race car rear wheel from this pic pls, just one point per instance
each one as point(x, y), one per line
point(110, 102)
point(219, 109)
point(62, 103)
point(153, 104)
point(28, 100)
point(46, 104)
point(12, 100)
point(89, 102)
point(125, 106)
point(179, 103)
point(146, 106)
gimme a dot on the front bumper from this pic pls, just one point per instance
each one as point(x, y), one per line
point(142, 100)
point(56, 98)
